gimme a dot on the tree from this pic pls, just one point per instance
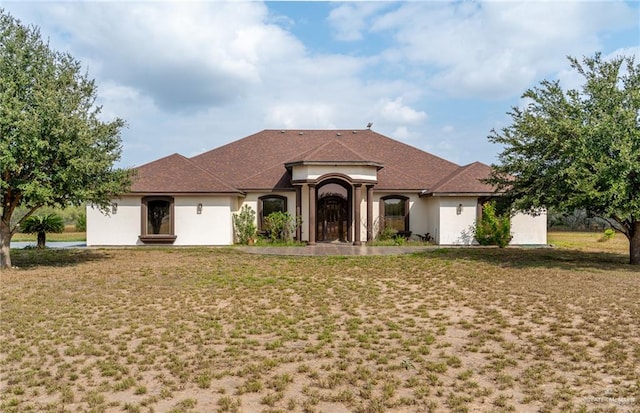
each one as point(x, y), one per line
point(54, 149)
point(40, 225)
point(578, 149)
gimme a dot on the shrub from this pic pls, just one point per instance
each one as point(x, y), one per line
point(244, 224)
point(607, 235)
point(41, 224)
point(493, 229)
point(386, 233)
point(281, 225)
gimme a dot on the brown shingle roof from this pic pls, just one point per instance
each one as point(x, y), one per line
point(258, 161)
point(465, 180)
point(176, 174)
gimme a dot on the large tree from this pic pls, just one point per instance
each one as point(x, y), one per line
point(578, 148)
point(54, 148)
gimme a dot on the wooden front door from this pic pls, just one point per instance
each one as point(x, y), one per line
point(332, 219)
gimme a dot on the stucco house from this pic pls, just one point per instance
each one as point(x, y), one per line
point(345, 184)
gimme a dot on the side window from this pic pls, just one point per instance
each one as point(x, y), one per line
point(269, 204)
point(157, 220)
point(395, 210)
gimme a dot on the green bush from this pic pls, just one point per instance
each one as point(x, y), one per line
point(607, 235)
point(493, 229)
point(244, 224)
point(386, 233)
point(281, 226)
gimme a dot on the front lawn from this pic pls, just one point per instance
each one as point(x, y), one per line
point(213, 329)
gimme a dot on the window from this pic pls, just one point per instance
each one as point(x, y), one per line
point(157, 220)
point(269, 204)
point(395, 210)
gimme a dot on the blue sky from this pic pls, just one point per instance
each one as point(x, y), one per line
point(191, 76)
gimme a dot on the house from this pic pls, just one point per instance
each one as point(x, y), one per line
point(346, 185)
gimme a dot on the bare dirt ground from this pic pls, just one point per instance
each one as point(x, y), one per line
point(215, 330)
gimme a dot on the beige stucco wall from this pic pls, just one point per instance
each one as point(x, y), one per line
point(432, 206)
point(313, 172)
point(454, 229)
point(528, 229)
point(212, 227)
point(121, 228)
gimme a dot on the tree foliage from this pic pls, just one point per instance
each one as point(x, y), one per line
point(579, 148)
point(40, 225)
point(54, 148)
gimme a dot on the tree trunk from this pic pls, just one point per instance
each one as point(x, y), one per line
point(42, 240)
point(5, 242)
point(634, 244)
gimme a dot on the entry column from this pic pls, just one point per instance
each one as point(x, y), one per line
point(356, 215)
point(312, 214)
point(298, 212)
point(370, 234)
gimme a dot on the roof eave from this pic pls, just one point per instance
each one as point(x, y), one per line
point(290, 165)
point(475, 194)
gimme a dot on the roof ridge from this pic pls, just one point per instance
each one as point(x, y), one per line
point(333, 142)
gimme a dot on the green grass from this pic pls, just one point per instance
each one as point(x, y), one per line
point(208, 329)
point(67, 236)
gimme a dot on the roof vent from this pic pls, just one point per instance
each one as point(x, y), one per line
point(354, 132)
point(300, 133)
point(282, 131)
point(338, 134)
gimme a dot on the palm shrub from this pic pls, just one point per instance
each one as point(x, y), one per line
point(40, 225)
point(244, 224)
point(493, 229)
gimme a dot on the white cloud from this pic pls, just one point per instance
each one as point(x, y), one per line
point(189, 76)
point(496, 49)
point(184, 56)
point(349, 21)
point(396, 111)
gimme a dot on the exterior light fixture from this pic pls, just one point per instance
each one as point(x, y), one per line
point(459, 209)
point(114, 208)
point(199, 209)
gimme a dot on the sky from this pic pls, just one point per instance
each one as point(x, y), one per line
point(188, 77)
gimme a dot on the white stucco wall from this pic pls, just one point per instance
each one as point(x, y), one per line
point(121, 228)
point(212, 227)
point(432, 206)
point(454, 229)
point(528, 229)
point(313, 172)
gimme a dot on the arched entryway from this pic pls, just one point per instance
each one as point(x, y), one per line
point(333, 211)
